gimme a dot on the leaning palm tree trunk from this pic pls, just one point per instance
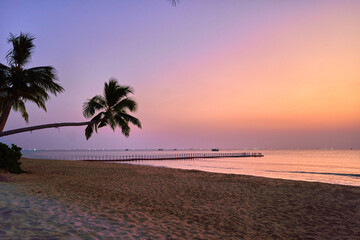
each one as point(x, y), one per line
point(4, 116)
point(38, 127)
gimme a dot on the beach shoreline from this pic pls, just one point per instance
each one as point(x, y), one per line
point(144, 202)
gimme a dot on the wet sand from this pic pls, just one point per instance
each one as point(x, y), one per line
point(91, 200)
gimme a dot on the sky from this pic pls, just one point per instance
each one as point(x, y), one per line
point(207, 74)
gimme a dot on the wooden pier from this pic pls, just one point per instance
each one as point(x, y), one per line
point(155, 157)
point(127, 157)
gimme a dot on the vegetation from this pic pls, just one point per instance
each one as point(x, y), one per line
point(19, 85)
point(113, 106)
point(9, 158)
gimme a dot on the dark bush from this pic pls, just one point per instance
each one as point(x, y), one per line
point(9, 158)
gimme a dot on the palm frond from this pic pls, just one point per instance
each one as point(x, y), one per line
point(102, 123)
point(20, 106)
point(92, 105)
point(34, 91)
point(89, 130)
point(124, 104)
point(131, 119)
point(123, 125)
point(109, 118)
point(125, 129)
point(124, 91)
point(4, 68)
point(97, 119)
point(5, 74)
point(22, 48)
point(93, 126)
point(36, 95)
point(43, 77)
point(113, 92)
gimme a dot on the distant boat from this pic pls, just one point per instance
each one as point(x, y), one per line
point(160, 149)
point(215, 149)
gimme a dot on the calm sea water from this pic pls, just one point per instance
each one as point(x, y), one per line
point(328, 166)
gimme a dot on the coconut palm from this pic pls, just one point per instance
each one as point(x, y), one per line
point(111, 109)
point(19, 85)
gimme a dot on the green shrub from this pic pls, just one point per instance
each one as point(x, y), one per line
point(9, 158)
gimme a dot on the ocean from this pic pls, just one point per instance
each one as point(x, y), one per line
point(327, 166)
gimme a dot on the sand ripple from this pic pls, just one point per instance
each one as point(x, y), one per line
point(24, 216)
point(82, 200)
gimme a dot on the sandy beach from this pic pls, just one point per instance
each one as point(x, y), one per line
point(91, 200)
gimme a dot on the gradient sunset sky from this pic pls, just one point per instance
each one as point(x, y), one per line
point(225, 74)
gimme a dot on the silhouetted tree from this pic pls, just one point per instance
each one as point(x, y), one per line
point(113, 107)
point(19, 85)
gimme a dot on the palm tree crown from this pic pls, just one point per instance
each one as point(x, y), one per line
point(19, 85)
point(111, 109)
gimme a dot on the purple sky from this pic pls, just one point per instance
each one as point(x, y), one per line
point(224, 74)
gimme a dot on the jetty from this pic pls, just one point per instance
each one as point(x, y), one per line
point(127, 157)
point(163, 157)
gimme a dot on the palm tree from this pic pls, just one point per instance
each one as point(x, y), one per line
point(113, 107)
point(19, 85)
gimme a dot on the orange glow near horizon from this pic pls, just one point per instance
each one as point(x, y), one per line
point(301, 74)
point(232, 74)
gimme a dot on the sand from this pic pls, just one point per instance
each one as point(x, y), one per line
point(91, 200)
